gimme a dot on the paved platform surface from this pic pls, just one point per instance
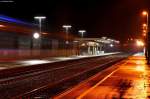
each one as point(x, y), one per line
point(129, 79)
point(28, 62)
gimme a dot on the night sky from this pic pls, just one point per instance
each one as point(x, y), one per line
point(119, 19)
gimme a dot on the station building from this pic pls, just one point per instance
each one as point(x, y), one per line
point(95, 46)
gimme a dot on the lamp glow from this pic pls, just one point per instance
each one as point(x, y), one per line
point(66, 26)
point(144, 31)
point(139, 43)
point(144, 13)
point(40, 17)
point(82, 32)
point(36, 35)
point(144, 25)
point(111, 45)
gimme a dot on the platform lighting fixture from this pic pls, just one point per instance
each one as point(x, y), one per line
point(66, 27)
point(38, 35)
point(40, 18)
point(82, 32)
point(145, 13)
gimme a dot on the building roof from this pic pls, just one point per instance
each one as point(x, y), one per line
point(100, 40)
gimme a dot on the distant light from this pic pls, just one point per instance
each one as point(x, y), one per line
point(66, 26)
point(139, 43)
point(144, 31)
point(40, 17)
point(117, 42)
point(144, 25)
point(144, 34)
point(67, 42)
point(91, 43)
point(83, 44)
point(44, 33)
point(145, 13)
point(75, 41)
point(82, 31)
point(111, 45)
point(36, 35)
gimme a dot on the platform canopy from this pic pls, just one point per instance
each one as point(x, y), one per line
point(105, 40)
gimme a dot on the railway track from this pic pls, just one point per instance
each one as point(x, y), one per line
point(53, 78)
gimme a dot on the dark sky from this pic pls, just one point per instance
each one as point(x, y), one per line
point(118, 19)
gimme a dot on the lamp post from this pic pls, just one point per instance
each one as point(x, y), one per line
point(40, 18)
point(145, 13)
point(66, 27)
point(82, 32)
point(82, 35)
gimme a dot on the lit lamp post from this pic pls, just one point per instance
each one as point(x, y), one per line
point(66, 27)
point(39, 18)
point(82, 34)
point(145, 13)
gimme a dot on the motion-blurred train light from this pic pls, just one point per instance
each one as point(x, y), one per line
point(2, 25)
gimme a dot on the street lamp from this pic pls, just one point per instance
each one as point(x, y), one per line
point(145, 13)
point(82, 32)
point(39, 18)
point(66, 27)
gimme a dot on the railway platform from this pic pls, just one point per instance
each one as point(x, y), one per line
point(128, 79)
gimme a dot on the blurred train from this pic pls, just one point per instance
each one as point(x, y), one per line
point(16, 40)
